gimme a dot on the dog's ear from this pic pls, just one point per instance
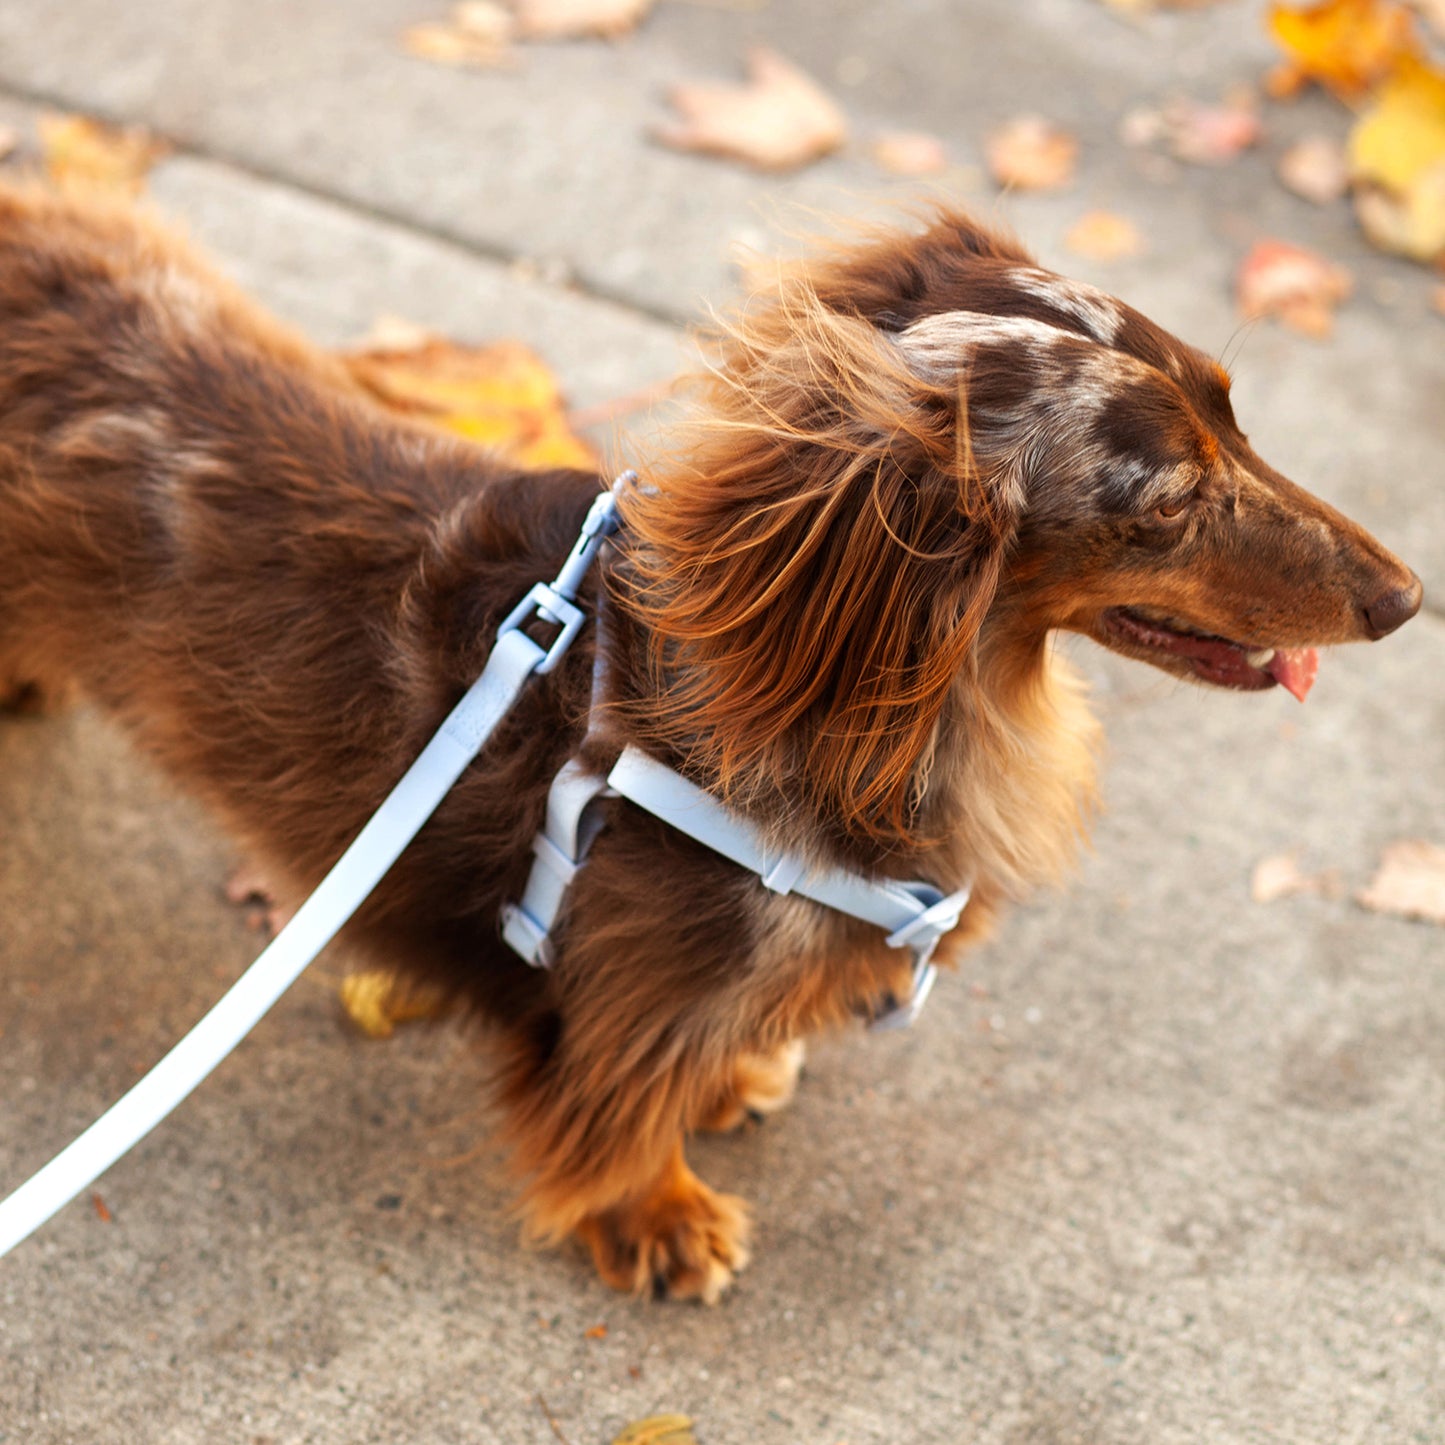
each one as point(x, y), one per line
point(814, 566)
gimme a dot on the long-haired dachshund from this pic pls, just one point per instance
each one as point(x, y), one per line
point(830, 606)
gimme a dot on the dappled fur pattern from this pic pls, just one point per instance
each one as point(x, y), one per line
point(915, 456)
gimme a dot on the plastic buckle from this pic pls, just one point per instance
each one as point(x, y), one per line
point(550, 606)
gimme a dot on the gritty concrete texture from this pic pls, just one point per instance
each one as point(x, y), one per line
point(1161, 1166)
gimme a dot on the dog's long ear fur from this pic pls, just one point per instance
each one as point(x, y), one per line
point(813, 563)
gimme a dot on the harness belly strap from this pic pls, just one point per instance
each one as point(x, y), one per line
point(915, 914)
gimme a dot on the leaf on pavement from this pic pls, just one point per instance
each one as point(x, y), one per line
point(779, 120)
point(1281, 876)
point(1030, 153)
point(658, 1430)
point(1316, 168)
point(1348, 46)
point(571, 19)
point(1103, 236)
point(1410, 882)
point(501, 396)
point(477, 35)
point(1397, 159)
point(910, 153)
point(1212, 134)
point(82, 154)
point(1298, 286)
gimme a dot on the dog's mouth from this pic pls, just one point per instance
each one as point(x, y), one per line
point(1170, 644)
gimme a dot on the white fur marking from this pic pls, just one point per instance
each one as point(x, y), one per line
point(1099, 313)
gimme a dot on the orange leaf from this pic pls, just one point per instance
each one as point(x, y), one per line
point(779, 120)
point(1410, 881)
point(1280, 876)
point(910, 153)
point(82, 154)
point(1348, 46)
point(1299, 286)
point(501, 396)
point(1029, 153)
point(1103, 236)
point(1211, 135)
point(476, 35)
point(102, 1211)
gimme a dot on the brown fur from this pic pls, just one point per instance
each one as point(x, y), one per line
point(832, 604)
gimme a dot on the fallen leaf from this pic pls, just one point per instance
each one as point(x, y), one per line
point(1030, 153)
point(1437, 299)
point(1103, 236)
point(1397, 159)
point(910, 153)
point(9, 140)
point(597, 1332)
point(501, 396)
point(1410, 882)
point(572, 19)
point(477, 34)
point(82, 154)
point(1298, 286)
point(1143, 7)
point(1211, 134)
point(658, 1430)
point(102, 1212)
point(1348, 46)
point(1280, 876)
point(1316, 168)
point(779, 120)
point(1433, 14)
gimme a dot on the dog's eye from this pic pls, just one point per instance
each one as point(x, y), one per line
point(1174, 508)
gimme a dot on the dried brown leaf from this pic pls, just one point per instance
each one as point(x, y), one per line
point(1410, 882)
point(910, 153)
point(1316, 168)
point(83, 154)
point(779, 120)
point(1297, 285)
point(572, 19)
point(1103, 236)
point(1030, 153)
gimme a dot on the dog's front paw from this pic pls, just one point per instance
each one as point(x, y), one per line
point(761, 1085)
point(682, 1242)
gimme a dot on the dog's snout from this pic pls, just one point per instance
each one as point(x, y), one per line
point(1392, 608)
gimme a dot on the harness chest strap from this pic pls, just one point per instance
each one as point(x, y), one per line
point(915, 914)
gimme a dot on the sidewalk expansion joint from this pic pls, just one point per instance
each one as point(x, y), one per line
point(578, 282)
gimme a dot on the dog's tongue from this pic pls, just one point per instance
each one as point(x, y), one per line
point(1294, 668)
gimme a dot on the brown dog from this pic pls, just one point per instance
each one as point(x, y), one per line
point(830, 607)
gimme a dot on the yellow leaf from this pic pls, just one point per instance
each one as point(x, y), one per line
point(1411, 222)
point(500, 396)
point(81, 153)
point(1349, 46)
point(658, 1430)
point(376, 1001)
point(1402, 135)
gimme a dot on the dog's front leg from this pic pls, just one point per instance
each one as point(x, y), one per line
point(598, 1124)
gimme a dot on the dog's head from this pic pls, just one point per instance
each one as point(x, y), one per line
point(1142, 516)
point(924, 439)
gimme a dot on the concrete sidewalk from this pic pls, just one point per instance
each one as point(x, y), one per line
point(1163, 1166)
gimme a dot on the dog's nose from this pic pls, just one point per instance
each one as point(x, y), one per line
point(1387, 612)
